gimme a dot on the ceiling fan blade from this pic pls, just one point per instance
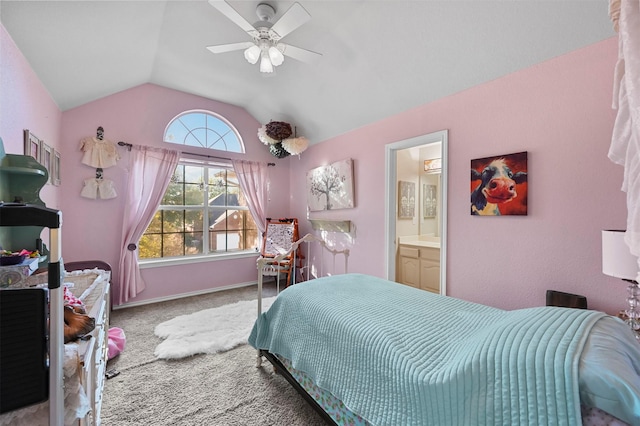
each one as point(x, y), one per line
point(222, 48)
point(228, 11)
point(292, 19)
point(302, 55)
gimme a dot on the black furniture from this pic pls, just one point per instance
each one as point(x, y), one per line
point(566, 300)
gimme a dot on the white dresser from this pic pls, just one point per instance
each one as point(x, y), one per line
point(93, 287)
point(84, 360)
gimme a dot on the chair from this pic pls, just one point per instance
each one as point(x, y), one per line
point(278, 238)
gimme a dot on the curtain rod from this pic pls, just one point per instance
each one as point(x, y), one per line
point(128, 145)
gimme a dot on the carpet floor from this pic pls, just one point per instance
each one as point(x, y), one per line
point(219, 389)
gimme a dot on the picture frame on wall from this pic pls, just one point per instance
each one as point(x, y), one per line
point(406, 200)
point(46, 157)
point(429, 201)
point(331, 187)
point(31, 145)
point(55, 168)
point(499, 185)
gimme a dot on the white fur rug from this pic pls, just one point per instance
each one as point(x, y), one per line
point(208, 331)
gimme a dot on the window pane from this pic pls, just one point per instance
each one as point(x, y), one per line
point(235, 220)
point(197, 137)
point(193, 193)
point(193, 243)
point(176, 132)
point(217, 219)
point(175, 192)
point(232, 143)
point(217, 241)
point(203, 129)
point(250, 223)
point(156, 224)
point(173, 245)
point(176, 231)
point(150, 246)
point(250, 234)
point(194, 220)
point(174, 195)
point(217, 187)
point(173, 220)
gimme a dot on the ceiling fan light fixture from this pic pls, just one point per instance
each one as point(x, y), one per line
point(266, 35)
point(252, 54)
point(265, 64)
point(277, 58)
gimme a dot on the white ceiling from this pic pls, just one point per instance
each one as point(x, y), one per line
point(379, 57)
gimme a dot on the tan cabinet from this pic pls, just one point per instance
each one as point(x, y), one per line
point(430, 269)
point(419, 267)
point(409, 267)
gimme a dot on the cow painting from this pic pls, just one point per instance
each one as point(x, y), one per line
point(499, 185)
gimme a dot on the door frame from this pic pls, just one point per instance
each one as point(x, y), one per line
point(391, 196)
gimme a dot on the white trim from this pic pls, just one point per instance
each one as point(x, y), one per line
point(183, 295)
point(187, 260)
point(390, 192)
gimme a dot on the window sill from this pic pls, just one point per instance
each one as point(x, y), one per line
point(173, 261)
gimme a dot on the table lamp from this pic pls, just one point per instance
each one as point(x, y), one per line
point(617, 261)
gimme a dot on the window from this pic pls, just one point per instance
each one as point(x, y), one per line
point(202, 212)
point(203, 129)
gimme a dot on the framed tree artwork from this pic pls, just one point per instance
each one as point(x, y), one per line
point(330, 187)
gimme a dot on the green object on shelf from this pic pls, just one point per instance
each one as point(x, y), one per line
point(21, 179)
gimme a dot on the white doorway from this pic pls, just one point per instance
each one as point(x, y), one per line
point(391, 197)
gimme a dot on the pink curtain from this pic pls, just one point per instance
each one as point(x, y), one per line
point(150, 173)
point(253, 178)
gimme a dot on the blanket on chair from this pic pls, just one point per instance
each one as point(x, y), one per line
point(401, 356)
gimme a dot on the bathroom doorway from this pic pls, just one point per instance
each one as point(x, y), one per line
point(416, 211)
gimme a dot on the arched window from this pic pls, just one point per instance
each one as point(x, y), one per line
point(203, 212)
point(203, 129)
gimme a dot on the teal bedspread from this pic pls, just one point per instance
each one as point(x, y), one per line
point(401, 356)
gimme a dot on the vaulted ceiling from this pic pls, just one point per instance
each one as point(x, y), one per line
point(379, 58)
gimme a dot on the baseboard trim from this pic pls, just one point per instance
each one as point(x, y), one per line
point(183, 295)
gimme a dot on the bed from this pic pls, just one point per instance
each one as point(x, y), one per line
point(369, 351)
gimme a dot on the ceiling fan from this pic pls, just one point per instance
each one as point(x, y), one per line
point(266, 35)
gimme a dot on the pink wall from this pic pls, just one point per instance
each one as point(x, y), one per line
point(26, 104)
point(560, 112)
point(139, 116)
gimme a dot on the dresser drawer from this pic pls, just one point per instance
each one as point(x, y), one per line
point(409, 252)
point(430, 254)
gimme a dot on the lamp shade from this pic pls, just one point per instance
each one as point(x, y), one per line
point(617, 260)
point(252, 54)
point(277, 58)
point(265, 64)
